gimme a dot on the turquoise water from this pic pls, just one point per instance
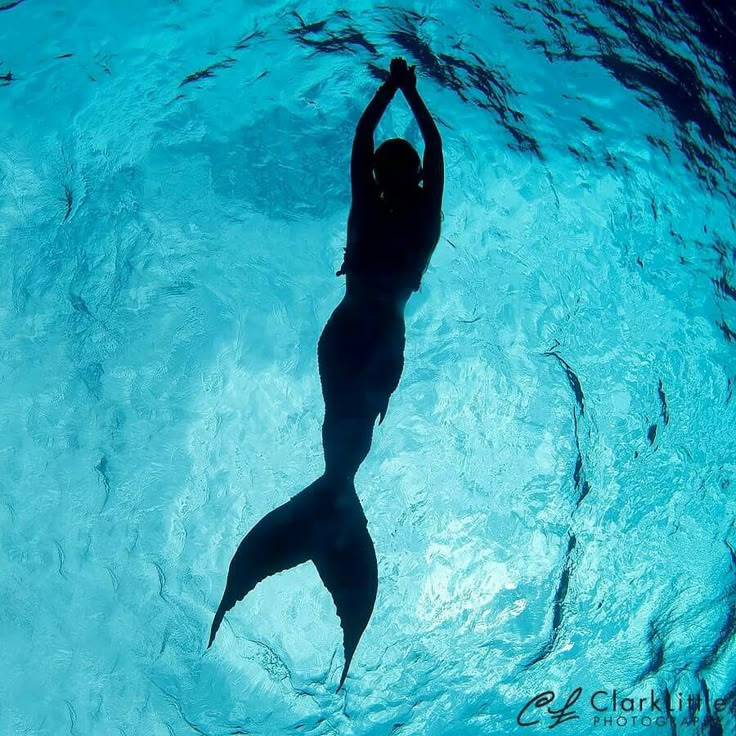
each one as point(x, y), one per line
point(551, 494)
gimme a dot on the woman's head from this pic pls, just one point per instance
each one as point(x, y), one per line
point(397, 166)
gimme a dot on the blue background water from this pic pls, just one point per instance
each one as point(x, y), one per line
point(551, 495)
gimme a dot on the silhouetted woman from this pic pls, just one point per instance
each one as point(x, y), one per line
point(393, 228)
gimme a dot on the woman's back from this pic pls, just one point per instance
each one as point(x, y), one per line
point(389, 247)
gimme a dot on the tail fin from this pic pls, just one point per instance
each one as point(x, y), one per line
point(324, 523)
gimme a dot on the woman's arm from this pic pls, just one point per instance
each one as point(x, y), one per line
point(433, 164)
point(361, 160)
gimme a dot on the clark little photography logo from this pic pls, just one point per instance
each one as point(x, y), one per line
point(607, 709)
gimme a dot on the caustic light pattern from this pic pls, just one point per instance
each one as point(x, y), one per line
point(551, 494)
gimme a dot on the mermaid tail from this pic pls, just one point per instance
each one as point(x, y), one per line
point(324, 523)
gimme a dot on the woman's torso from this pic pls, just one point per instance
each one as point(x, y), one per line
point(388, 250)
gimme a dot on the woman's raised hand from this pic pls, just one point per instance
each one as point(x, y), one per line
point(402, 75)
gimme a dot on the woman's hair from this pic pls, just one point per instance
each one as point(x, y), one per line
point(396, 157)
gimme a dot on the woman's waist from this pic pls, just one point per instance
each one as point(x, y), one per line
point(377, 293)
point(362, 313)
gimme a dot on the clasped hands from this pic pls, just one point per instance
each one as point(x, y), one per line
point(401, 76)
